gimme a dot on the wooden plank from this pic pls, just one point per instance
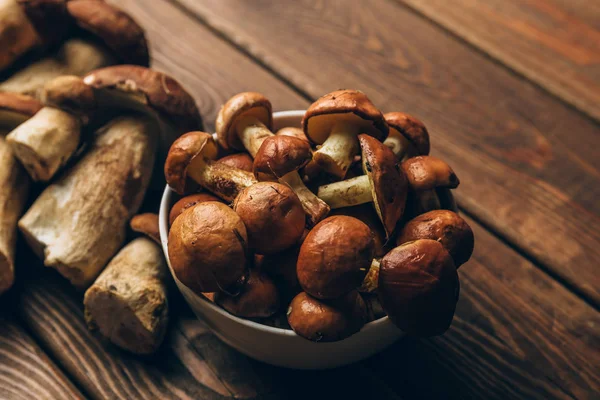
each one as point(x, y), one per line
point(555, 43)
point(25, 370)
point(530, 166)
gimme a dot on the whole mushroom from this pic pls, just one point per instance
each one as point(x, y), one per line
point(259, 298)
point(408, 136)
point(241, 161)
point(189, 201)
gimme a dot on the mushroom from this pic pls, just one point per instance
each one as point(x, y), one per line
point(128, 304)
point(334, 121)
point(426, 174)
point(14, 182)
point(241, 161)
point(418, 287)
point(273, 216)
point(335, 257)
point(146, 224)
point(192, 156)
point(446, 227)
point(293, 132)
point(46, 141)
point(259, 298)
point(367, 214)
point(189, 201)
point(383, 184)
point(408, 136)
point(280, 158)
point(244, 121)
point(108, 36)
point(327, 321)
point(208, 248)
point(79, 222)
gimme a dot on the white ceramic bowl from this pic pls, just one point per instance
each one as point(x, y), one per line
point(281, 347)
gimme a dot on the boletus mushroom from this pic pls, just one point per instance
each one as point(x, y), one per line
point(327, 320)
point(383, 183)
point(241, 161)
point(408, 136)
point(418, 287)
point(335, 257)
point(208, 248)
point(425, 174)
point(273, 216)
point(189, 201)
point(334, 121)
point(258, 298)
point(292, 131)
point(446, 227)
point(280, 158)
point(128, 303)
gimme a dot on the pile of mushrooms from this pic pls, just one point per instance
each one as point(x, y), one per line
point(301, 223)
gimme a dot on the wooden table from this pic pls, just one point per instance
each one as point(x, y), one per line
point(510, 91)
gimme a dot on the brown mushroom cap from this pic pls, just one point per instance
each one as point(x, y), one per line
point(113, 27)
point(189, 201)
point(446, 227)
point(279, 155)
point(182, 153)
point(327, 321)
point(273, 216)
point(154, 89)
point(428, 172)
point(259, 298)
point(49, 18)
point(419, 287)
point(147, 224)
point(367, 214)
point(411, 128)
point(350, 105)
point(293, 132)
point(16, 108)
point(241, 161)
point(207, 247)
point(388, 182)
point(242, 104)
point(335, 257)
point(69, 92)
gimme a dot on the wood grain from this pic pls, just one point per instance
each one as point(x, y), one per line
point(25, 370)
point(530, 166)
point(555, 43)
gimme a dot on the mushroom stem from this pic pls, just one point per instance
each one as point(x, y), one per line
point(350, 192)
point(128, 302)
point(428, 200)
point(17, 34)
point(315, 208)
point(220, 179)
point(14, 187)
point(252, 133)
point(75, 57)
point(398, 144)
point(337, 152)
point(370, 282)
point(45, 142)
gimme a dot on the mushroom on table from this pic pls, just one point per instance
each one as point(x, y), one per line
point(408, 136)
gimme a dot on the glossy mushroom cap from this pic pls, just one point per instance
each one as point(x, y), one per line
point(181, 155)
point(241, 161)
point(293, 132)
point(273, 216)
point(349, 105)
point(16, 108)
point(327, 321)
point(189, 201)
point(388, 182)
point(207, 248)
point(68, 92)
point(446, 227)
point(428, 172)
point(367, 214)
point(259, 298)
point(418, 287)
point(412, 129)
point(152, 88)
point(115, 28)
point(242, 104)
point(280, 155)
point(335, 257)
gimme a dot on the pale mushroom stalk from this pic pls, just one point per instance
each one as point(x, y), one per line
point(398, 144)
point(128, 303)
point(252, 132)
point(220, 179)
point(369, 284)
point(336, 154)
point(17, 33)
point(347, 193)
point(313, 206)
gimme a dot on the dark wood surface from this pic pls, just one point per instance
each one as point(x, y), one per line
point(527, 323)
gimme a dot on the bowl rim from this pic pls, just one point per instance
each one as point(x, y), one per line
point(167, 198)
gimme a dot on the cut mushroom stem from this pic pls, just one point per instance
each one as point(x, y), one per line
point(222, 180)
point(252, 132)
point(337, 152)
point(428, 200)
point(347, 193)
point(314, 207)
